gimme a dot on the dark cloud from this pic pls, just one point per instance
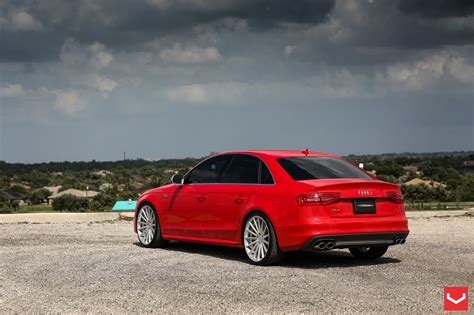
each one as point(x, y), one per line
point(128, 23)
point(437, 8)
point(78, 71)
point(29, 46)
point(177, 14)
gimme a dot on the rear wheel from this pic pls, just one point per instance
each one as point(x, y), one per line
point(260, 241)
point(368, 252)
point(148, 227)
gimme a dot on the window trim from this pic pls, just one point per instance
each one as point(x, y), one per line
point(233, 155)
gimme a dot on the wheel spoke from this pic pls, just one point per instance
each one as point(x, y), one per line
point(253, 227)
point(145, 213)
point(252, 232)
point(259, 226)
point(252, 242)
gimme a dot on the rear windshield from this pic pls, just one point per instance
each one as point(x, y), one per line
point(315, 167)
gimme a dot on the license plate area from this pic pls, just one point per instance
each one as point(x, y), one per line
point(364, 206)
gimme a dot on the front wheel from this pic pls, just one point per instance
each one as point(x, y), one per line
point(368, 252)
point(260, 241)
point(148, 227)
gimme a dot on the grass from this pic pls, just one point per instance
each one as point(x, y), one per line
point(46, 208)
point(35, 209)
point(426, 206)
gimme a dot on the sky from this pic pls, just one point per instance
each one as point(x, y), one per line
point(92, 79)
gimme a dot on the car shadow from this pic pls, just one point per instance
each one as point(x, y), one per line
point(305, 260)
point(334, 258)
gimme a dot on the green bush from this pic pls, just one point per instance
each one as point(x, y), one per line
point(6, 207)
point(39, 196)
point(103, 201)
point(71, 203)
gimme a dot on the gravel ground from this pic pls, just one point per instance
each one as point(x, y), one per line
point(99, 267)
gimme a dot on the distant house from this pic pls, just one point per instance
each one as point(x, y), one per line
point(102, 173)
point(410, 168)
point(15, 198)
point(73, 192)
point(169, 171)
point(53, 189)
point(27, 187)
point(125, 205)
point(429, 183)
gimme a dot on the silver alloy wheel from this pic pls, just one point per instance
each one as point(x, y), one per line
point(256, 238)
point(146, 224)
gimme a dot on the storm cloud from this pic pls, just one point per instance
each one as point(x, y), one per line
point(74, 73)
point(437, 8)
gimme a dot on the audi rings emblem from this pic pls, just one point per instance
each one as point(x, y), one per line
point(365, 192)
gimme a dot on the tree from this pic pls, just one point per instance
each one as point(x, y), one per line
point(17, 189)
point(5, 205)
point(71, 203)
point(39, 196)
point(4, 181)
point(103, 201)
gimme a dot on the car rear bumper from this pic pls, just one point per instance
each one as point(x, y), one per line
point(356, 240)
point(359, 231)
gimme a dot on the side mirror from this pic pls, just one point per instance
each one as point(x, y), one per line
point(177, 179)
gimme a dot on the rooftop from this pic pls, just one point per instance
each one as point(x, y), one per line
point(282, 153)
point(75, 193)
point(419, 181)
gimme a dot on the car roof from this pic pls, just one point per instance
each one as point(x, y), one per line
point(281, 153)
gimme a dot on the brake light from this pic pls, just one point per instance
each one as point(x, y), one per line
point(312, 199)
point(395, 196)
point(308, 199)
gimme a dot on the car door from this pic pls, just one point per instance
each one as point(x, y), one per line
point(188, 203)
point(231, 197)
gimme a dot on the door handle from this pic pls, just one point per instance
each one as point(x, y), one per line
point(202, 197)
point(239, 199)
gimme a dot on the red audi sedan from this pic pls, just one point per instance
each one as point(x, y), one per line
point(272, 202)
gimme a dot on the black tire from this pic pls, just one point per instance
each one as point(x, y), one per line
point(157, 240)
point(368, 252)
point(274, 255)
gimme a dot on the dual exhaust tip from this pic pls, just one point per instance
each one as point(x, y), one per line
point(324, 245)
point(399, 240)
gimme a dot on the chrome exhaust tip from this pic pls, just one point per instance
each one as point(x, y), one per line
point(399, 240)
point(321, 245)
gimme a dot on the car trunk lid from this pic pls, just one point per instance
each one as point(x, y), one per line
point(357, 197)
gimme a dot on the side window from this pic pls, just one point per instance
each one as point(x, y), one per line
point(209, 171)
point(242, 170)
point(265, 175)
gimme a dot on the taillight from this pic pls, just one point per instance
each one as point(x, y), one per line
point(395, 196)
point(308, 199)
point(312, 199)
